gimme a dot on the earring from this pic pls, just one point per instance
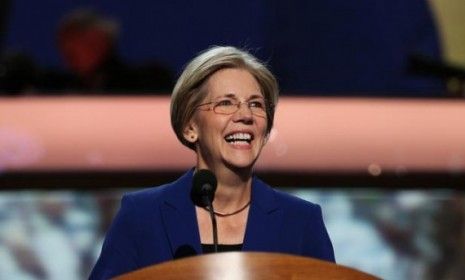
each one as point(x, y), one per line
point(193, 138)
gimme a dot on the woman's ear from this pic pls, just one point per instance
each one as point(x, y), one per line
point(190, 133)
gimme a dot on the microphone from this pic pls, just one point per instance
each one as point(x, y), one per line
point(203, 188)
point(202, 194)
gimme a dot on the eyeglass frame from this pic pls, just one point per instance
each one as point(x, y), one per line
point(268, 105)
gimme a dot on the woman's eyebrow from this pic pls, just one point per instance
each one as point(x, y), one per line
point(255, 96)
point(234, 96)
point(230, 95)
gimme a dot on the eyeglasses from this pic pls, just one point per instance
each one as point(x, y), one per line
point(229, 106)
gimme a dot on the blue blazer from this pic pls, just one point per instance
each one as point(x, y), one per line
point(160, 224)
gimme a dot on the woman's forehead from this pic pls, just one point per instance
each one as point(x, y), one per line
point(234, 81)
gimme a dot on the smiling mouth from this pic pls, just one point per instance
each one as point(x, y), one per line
point(239, 138)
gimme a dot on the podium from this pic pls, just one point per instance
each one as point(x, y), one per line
point(246, 266)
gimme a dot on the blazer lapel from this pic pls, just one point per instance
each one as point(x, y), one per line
point(179, 218)
point(264, 221)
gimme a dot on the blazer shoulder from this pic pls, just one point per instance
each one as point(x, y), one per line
point(176, 191)
point(293, 202)
point(271, 198)
point(151, 194)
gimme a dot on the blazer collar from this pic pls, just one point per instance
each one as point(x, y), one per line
point(178, 194)
point(263, 196)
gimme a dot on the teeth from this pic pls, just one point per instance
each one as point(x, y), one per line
point(239, 136)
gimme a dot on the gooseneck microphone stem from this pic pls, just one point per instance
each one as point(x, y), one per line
point(214, 227)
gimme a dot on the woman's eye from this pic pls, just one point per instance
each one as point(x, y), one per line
point(256, 104)
point(224, 103)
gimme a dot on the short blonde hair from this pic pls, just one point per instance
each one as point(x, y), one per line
point(188, 92)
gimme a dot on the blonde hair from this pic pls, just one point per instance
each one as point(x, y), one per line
point(188, 92)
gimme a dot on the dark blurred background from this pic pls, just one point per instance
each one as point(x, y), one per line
point(396, 228)
point(391, 47)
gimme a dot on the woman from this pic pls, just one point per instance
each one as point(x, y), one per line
point(222, 108)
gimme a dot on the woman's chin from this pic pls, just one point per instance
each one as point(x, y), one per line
point(238, 163)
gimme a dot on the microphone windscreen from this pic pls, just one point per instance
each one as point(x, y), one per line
point(203, 187)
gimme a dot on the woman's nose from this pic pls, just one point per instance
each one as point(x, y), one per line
point(243, 112)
